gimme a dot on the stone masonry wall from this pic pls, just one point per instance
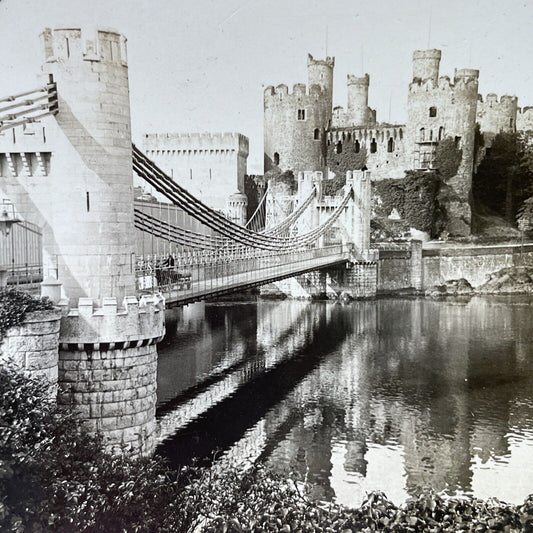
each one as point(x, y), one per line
point(33, 346)
point(410, 267)
point(356, 280)
point(210, 166)
point(114, 392)
point(473, 264)
point(108, 369)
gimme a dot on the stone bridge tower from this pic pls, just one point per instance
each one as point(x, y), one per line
point(84, 203)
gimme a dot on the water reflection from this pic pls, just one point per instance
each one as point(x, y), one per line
point(395, 395)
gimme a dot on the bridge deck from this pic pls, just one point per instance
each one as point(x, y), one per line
point(241, 274)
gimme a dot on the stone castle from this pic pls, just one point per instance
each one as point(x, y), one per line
point(301, 125)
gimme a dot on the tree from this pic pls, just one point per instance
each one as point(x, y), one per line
point(504, 178)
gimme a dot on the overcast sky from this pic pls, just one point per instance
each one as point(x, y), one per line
point(202, 65)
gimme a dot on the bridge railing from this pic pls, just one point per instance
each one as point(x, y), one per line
point(188, 275)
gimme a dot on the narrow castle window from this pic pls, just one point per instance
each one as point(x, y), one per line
point(458, 142)
point(430, 135)
point(511, 122)
point(422, 135)
point(373, 146)
point(390, 145)
point(401, 134)
point(357, 147)
point(441, 133)
point(316, 135)
point(301, 114)
point(432, 111)
point(276, 158)
point(338, 148)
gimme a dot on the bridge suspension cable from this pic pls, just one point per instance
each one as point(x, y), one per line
point(22, 107)
point(194, 207)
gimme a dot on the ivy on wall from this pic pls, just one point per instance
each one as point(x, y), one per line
point(414, 198)
point(15, 304)
point(340, 162)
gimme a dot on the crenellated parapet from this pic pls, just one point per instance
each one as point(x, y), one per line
point(139, 322)
point(183, 142)
point(74, 44)
point(465, 79)
point(329, 61)
point(281, 93)
point(495, 116)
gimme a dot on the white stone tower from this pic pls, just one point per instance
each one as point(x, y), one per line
point(108, 356)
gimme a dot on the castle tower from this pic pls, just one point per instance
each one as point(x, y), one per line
point(357, 108)
point(438, 109)
point(426, 65)
point(236, 208)
point(107, 352)
point(320, 72)
point(495, 116)
point(295, 122)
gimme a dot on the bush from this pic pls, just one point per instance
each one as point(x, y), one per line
point(15, 304)
point(56, 477)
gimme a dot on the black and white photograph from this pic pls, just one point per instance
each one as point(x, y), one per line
point(266, 266)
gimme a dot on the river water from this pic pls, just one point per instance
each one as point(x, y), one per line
point(391, 395)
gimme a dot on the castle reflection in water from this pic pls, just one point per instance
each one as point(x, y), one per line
point(391, 395)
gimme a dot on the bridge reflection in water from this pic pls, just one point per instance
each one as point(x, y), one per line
point(398, 395)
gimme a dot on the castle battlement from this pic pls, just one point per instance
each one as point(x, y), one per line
point(328, 62)
point(75, 44)
point(355, 80)
point(381, 133)
point(492, 98)
point(299, 90)
point(138, 322)
point(465, 79)
point(196, 141)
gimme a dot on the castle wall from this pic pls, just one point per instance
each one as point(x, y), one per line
point(33, 346)
point(495, 116)
point(211, 166)
point(290, 141)
point(384, 149)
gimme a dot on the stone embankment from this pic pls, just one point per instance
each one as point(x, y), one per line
point(511, 280)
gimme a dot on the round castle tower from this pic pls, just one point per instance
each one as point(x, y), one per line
point(357, 107)
point(107, 352)
point(437, 109)
point(426, 65)
point(295, 122)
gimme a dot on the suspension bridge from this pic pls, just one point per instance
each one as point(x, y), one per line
point(225, 257)
point(67, 166)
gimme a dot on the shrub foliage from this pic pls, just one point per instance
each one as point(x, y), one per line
point(15, 304)
point(55, 477)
